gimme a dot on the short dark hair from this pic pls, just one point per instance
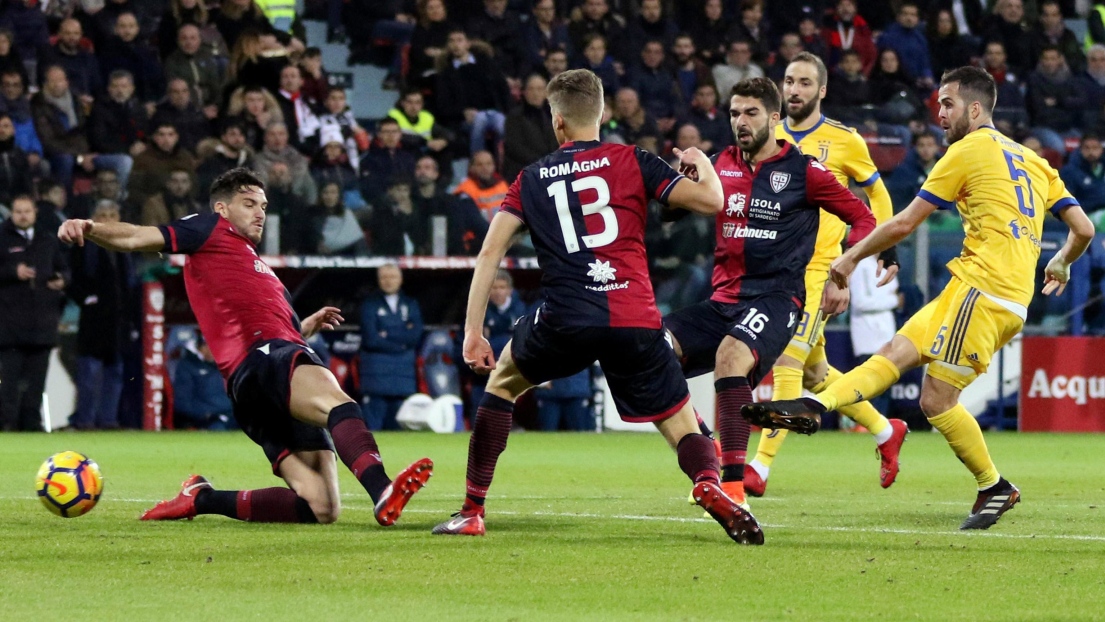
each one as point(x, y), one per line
point(232, 182)
point(925, 134)
point(906, 3)
point(24, 197)
point(312, 52)
point(975, 84)
point(47, 185)
point(763, 89)
point(1089, 136)
point(231, 123)
point(120, 74)
point(386, 121)
point(1049, 47)
point(590, 38)
point(160, 123)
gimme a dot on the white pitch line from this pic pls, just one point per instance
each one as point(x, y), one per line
point(680, 519)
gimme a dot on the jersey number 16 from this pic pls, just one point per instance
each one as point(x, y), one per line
point(601, 206)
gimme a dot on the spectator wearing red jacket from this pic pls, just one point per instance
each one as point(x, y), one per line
point(847, 30)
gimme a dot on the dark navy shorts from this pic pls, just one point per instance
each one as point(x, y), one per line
point(764, 323)
point(640, 365)
point(260, 389)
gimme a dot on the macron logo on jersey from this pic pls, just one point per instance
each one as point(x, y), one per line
point(729, 173)
point(567, 168)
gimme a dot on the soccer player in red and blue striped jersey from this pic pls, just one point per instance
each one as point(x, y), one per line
point(284, 398)
point(585, 205)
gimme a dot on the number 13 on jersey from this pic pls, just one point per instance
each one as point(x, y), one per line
point(601, 206)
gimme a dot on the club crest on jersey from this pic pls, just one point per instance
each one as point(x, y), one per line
point(779, 180)
point(822, 151)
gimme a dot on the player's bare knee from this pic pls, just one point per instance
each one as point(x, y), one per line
point(507, 382)
point(734, 358)
point(901, 352)
point(325, 507)
point(934, 403)
point(314, 394)
point(814, 375)
point(326, 512)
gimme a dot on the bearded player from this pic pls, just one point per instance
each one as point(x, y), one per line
point(585, 205)
point(284, 398)
point(804, 364)
point(1002, 191)
point(765, 238)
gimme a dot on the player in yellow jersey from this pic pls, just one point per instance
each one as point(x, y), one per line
point(1002, 191)
point(804, 364)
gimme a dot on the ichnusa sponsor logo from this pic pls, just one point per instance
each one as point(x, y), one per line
point(1077, 388)
point(733, 230)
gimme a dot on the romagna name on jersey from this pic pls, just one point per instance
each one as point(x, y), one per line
point(568, 168)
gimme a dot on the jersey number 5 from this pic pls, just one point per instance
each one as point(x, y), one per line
point(601, 206)
point(1015, 174)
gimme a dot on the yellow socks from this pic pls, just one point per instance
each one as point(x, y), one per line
point(788, 386)
point(862, 413)
point(965, 438)
point(876, 375)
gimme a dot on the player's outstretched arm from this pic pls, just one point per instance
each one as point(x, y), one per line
point(883, 237)
point(1081, 234)
point(477, 351)
point(116, 236)
point(705, 196)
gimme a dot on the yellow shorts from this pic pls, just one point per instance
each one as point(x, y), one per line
point(811, 330)
point(959, 332)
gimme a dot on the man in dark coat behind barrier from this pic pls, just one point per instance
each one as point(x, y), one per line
point(33, 274)
point(103, 283)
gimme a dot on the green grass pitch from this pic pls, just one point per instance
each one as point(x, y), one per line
point(580, 527)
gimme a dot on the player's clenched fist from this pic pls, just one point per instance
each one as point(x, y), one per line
point(73, 231)
point(478, 354)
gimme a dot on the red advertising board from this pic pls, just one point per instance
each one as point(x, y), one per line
point(153, 356)
point(1062, 384)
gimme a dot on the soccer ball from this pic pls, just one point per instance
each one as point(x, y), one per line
point(69, 484)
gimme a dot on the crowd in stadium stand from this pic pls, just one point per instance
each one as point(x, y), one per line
point(156, 93)
point(133, 107)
